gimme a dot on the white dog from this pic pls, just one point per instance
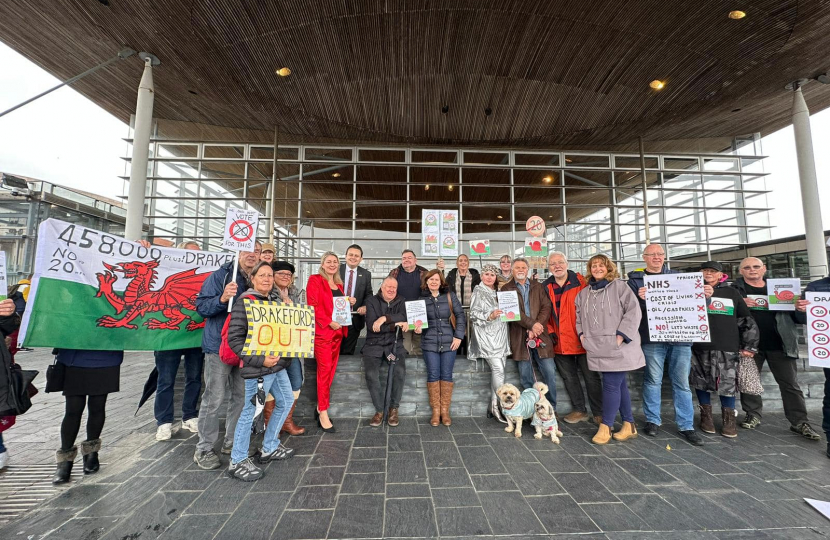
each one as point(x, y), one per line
point(519, 406)
point(544, 418)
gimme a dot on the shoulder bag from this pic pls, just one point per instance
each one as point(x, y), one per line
point(452, 314)
point(749, 380)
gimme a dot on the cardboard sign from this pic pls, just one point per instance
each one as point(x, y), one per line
point(276, 328)
point(4, 285)
point(536, 247)
point(783, 293)
point(240, 229)
point(479, 248)
point(416, 311)
point(509, 306)
point(342, 312)
point(676, 308)
point(818, 329)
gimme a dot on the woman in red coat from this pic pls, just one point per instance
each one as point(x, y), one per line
point(320, 292)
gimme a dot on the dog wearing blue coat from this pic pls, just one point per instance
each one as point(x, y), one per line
point(518, 406)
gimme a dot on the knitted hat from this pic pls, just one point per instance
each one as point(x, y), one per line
point(489, 268)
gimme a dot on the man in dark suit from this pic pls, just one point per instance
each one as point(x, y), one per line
point(357, 284)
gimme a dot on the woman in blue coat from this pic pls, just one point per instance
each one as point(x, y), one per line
point(440, 342)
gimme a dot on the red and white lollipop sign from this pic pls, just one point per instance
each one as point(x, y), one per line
point(535, 226)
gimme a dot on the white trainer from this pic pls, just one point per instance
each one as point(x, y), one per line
point(4, 460)
point(164, 432)
point(191, 425)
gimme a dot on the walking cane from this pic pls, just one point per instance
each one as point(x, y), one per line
point(393, 358)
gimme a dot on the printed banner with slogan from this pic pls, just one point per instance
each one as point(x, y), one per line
point(93, 290)
point(818, 329)
point(276, 328)
point(676, 308)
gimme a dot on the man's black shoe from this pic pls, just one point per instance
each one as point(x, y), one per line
point(651, 429)
point(692, 437)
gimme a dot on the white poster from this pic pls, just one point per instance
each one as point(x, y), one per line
point(783, 293)
point(416, 311)
point(509, 306)
point(4, 285)
point(439, 233)
point(240, 229)
point(342, 313)
point(818, 329)
point(676, 308)
point(449, 233)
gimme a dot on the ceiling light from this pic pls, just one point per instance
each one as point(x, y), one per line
point(499, 217)
point(426, 187)
point(449, 187)
point(657, 84)
point(736, 15)
point(283, 72)
point(336, 175)
point(548, 179)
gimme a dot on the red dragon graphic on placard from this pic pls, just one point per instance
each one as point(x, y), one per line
point(179, 291)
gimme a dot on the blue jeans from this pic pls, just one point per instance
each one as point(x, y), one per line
point(705, 398)
point(680, 363)
point(439, 365)
point(615, 397)
point(295, 374)
point(546, 367)
point(278, 385)
point(167, 363)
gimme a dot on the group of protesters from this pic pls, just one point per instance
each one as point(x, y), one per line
point(592, 323)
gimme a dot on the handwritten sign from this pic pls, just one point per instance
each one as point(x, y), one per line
point(342, 312)
point(4, 285)
point(536, 247)
point(275, 328)
point(818, 329)
point(509, 306)
point(676, 308)
point(783, 293)
point(416, 311)
point(240, 229)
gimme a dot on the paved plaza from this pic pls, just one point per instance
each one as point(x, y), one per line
point(471, 480)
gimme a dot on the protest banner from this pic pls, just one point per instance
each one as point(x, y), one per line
point(479, 248)
point(676, 308)
point(240, 229)
point(416, 311)
point(93, 290)
point(342, 311)
point(536, 247)
point(818, 329)
point(509, 306)
point(783, 293)
point(277, 328)
point(4, 284)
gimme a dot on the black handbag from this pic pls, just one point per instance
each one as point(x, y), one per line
point(54, 377)
point(19, 381)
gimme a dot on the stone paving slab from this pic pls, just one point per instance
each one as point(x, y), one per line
point(471, 480)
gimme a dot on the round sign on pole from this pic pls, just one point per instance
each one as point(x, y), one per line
point(535, 226)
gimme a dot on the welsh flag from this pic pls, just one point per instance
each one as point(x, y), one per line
point(93, 290)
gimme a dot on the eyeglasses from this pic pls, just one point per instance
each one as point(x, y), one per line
point(654, 254)
point(283, 274)
point(754, 267)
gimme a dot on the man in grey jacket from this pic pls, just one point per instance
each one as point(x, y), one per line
point(778, 347)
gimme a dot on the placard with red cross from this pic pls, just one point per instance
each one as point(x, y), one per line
point(240, 229)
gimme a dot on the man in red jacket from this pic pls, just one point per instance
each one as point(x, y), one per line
point(569, 356)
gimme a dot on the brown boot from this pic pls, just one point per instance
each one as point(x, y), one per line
point(268, 410)
point(434, 389)
point(446, 400)
point(392, 419)
point(628, 431)
point(730, 428)
point(603, 435)
point(289, 426)
point(707, 424)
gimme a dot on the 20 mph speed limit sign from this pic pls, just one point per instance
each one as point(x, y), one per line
point(818, 329)
point(240, 229)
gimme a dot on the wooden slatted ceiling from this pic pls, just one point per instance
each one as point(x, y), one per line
point(556, 73)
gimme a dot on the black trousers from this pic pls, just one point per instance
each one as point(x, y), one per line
point(373, 371)
point(348, 345)
point(785, 371)
point(96, 409)
point(569, 366)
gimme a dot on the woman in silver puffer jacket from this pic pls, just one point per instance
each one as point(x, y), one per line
point(488, 337)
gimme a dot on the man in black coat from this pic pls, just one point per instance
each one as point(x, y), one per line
point(357, 285)
point(385, 313)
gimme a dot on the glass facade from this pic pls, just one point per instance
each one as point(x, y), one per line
point(328, 197)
